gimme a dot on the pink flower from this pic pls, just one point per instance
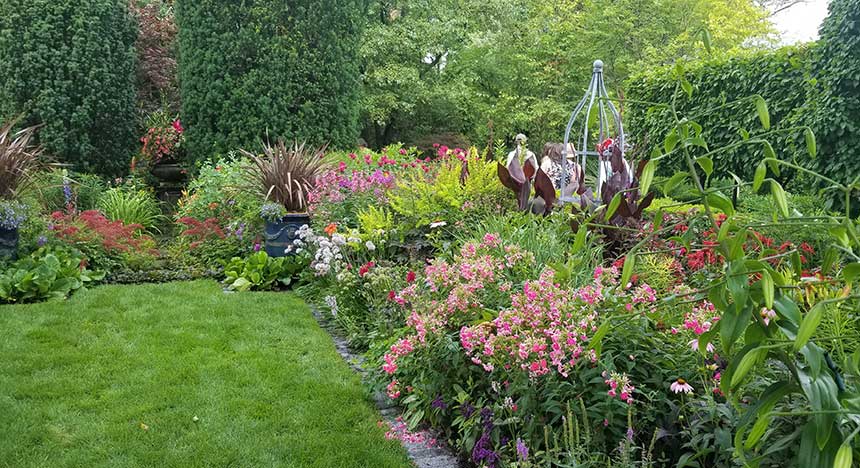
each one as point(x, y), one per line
point(767, 315)
point(681, 386)
point(694, 345)
point(177, 125)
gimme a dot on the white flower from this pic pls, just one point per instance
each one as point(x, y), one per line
point(331, 301)
point(354, 240)
point(370, 246)
point(438, 224)
point(338, 240)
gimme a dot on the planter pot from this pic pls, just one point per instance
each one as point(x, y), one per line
point(8, 244)
point(281, 234)
point(169, 172)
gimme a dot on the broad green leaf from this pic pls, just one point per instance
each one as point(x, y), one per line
point(746, 364)
point(658, 218)
point(845, 456)
point(760, 174)
point(613, 205)
point(732, 326)
point(811, 147)
point(671, 141)
point(647, 177)
point(707, 165)
point(596, 342)
point(779, 197)
point(579, 241)
point(851, 272)
point(809, 325)
point(814, 356)
point(767, 289)
point(686, 86)
point(627, 270)
point(706, 39)
point(721, 202)
point(674, 181)
point(763, 113)
point(770, 154)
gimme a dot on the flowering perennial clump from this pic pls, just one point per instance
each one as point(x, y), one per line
point(545, 328)
point(453, 292)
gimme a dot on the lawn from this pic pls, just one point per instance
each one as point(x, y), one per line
point(180, 375)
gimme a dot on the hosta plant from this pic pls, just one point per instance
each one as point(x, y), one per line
point(259, 272)
point(45, 274)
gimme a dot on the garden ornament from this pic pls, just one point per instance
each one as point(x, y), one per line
point(597, 119)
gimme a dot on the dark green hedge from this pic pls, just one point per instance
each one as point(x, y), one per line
point(783, 77)
point(816, 86)
point(838, 119)
point(70, 65)
point(254, 68)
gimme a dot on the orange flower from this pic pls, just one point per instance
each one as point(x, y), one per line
point(213, 206)
point(331, 229)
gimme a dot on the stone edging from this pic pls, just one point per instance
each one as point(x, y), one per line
point(422, 455)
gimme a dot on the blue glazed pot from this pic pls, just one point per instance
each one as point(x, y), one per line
point(9, 244)
point(281, 234)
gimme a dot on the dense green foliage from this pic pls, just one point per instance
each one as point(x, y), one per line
point(442, 67)
point(261, 69)
point(45, 274)
point(70, 66)
point(839, 110)
point(260, 272)
point(782, 77)
point(813, 86)
point(180, 375)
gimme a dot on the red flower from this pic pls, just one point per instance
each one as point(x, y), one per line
point(410, 277)
point(391, 295)
point(177, 125)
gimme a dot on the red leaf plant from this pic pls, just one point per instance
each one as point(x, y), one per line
point(201, 231)
point(92, 227)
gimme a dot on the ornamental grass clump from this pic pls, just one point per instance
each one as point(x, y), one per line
point(286, 174)
point(19, 158)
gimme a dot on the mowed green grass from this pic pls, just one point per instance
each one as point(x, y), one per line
point(180, 375)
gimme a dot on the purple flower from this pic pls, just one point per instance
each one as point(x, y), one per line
point(630, 434)
point(483, 452)
point(439, 403)
point(41, 241)
point(257, 247)
point(467, 410)
point(487, 419)
point(67, 191)
point(522, 450)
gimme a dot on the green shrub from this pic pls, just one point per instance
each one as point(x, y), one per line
point(69, 65)
point(262, 68)
point(260, 272)
point(131, 206)
point(219, 191)
point(46, 274)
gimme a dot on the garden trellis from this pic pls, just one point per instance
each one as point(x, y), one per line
point(594, 109)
